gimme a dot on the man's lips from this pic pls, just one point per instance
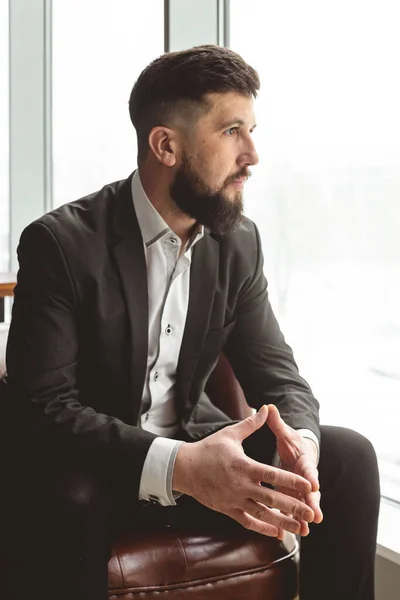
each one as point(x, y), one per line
point(239, 180)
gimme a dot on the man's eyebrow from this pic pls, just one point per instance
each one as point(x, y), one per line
point(233, 122)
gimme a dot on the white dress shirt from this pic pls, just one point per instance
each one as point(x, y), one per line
point(168, 280)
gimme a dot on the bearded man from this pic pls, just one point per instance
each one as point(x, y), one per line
point(125, 300)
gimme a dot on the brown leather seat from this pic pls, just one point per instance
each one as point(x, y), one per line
point(211, 565)
point(196, 565)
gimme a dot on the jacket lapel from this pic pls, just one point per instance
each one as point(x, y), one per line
point(203, 278)
point(131, 262)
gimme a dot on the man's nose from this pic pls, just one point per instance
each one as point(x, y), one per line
point(249, 156)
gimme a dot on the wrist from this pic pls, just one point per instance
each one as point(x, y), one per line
point(314, 449)
point(182, 468)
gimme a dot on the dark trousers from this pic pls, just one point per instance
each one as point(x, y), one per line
point(59, 539)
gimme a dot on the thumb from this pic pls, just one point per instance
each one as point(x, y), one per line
point(276, 423)
point(244, 428)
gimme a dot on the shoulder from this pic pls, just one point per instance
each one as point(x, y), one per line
point(81, 224)
point(88, 214)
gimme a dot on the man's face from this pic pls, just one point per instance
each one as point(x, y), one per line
point(215, 163)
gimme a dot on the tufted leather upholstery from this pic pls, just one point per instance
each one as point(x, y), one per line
point(194, 565)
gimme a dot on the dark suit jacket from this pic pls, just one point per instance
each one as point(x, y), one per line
point(77, 348)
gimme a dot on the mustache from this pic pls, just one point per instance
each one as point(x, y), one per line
point(242, 173)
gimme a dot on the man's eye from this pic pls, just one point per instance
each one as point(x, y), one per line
point(231, 131)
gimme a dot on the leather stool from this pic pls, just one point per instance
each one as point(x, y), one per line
point(170, 565)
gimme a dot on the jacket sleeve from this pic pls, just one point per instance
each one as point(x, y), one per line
point(261, 359)
point(42, 354)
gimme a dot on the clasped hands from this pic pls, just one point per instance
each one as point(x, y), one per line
point(217, 473)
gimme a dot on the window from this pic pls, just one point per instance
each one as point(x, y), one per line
point(326, 198)
point(99, 49)
point(4, 142)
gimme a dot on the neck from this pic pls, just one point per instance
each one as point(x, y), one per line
point(156, 184)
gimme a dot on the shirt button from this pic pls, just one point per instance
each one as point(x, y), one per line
point(168, 330)
point(172, 240)
point(155, 376)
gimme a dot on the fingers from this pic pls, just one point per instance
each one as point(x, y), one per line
point(304, 528)
point(278, 477)
point(244, 428)
point(250, 522)
point(310, 472)
point(268, 522)
point(287, 504)
point(273, 517)
point(313, 500)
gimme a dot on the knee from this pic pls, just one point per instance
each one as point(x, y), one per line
point(357, 448)
point(351, 456)
point(348, 446)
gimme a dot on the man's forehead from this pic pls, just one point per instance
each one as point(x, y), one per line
point(230, 105)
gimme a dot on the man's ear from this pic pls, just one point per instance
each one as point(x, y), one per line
point(164, 144)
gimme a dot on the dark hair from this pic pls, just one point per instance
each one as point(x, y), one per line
point(177, 82)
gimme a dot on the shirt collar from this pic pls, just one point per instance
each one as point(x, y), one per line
point(152, 225)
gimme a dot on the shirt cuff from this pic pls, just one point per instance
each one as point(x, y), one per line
point(156, 479)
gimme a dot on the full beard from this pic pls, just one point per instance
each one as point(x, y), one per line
point(214, 210)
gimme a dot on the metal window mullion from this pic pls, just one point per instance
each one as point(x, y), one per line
point(223, 22)
point(30, 115)
point(226, 22)
point(166, 25)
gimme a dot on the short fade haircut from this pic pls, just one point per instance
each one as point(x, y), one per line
point(176, 84)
